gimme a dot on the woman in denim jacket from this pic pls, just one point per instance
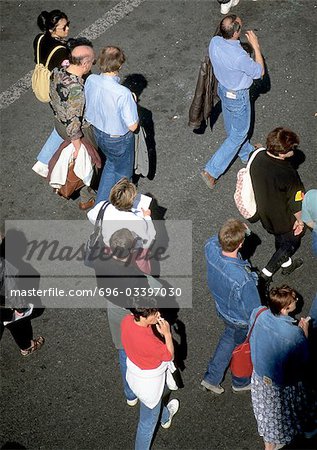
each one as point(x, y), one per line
point(279, 352)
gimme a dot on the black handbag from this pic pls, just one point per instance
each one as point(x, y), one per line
point(95, 246)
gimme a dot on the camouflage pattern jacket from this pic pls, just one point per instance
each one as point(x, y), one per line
point(68, 101)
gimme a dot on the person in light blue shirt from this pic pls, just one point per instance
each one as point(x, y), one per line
point(235, 72)
point(309, 215)
point(112, 111)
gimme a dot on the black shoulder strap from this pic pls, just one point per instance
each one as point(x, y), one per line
point(101, 211)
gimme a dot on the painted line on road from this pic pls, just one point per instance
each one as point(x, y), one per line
point(110, 18)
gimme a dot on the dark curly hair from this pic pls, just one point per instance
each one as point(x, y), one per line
point(48, 20)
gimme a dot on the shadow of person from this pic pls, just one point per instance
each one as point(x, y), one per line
point(299, 305)
point(181, 348)
point(259, 87)
point(28, 279)
point(297, 159)
point(161, 242)
point(250, 245)
point(169, 309)
point(12, 445)
point(215, 113)
point(136, 82)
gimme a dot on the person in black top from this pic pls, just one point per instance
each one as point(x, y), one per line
point(278, 193)
point(120, 281)
point(55, 26)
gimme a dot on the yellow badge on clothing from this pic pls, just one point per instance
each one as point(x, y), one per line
point(299, 196)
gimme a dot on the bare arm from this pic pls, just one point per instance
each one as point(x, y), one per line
point(304, 325)
point(253, 40)
point(163, 327)
point(299, 224)
point(134, 126)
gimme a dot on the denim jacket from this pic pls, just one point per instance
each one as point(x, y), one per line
point(279, 349)
point(232, 285)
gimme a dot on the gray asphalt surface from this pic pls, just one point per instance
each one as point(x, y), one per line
point(69, 395)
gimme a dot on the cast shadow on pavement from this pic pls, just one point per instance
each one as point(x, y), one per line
point(298, 158)
point(12, 446)
point(16, 249)
point(136, 82)
point(169, 307)
point(250, 245)
point(161, 240)
point(258, 88)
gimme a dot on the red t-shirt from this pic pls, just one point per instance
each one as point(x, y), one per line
point(141, 345)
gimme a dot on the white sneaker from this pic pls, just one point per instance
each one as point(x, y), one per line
point(211, 387)
point(241, 389)
point(132, 402)
point(225, 7)
point(173, 407)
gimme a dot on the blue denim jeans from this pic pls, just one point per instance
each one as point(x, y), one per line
point(147, 424)
point(130, 395)
point(236, 115)
point(218, 364)
point(49, 148)
point(119, 152)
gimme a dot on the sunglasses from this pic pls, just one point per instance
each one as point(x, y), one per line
point(64, 27)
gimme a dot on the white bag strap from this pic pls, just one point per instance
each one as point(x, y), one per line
point(51, 54)
point(253, 156)
point(38, 49)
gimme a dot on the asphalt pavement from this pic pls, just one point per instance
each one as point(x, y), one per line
point(69, 395)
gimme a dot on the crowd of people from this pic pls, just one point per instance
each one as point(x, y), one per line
point(95, 121)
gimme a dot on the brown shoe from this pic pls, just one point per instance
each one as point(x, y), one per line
point(86, 205)
point(36, 345)
point(208, 179)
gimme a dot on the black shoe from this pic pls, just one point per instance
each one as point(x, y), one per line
point(264, 287)
point(296, 264)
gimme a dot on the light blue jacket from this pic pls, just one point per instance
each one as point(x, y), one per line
point(279, 349)
point(232, 284)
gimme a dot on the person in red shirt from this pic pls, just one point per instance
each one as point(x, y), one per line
point(149, 360)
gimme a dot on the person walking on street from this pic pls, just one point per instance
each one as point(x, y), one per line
point(112, 110)
point(55, 28)
point(309, 215)
point(235, 71)
point(234, 289)
point(279, 192)
point(118, 274)
point(149, 363)
point(280, 357)
point(68, 101)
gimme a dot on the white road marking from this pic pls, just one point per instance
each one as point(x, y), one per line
point(110, 18)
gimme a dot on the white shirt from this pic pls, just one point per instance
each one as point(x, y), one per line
point(114, 220)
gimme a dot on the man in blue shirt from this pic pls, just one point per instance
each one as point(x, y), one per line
point(235, 72)
point(309, 215)
point(233, 287)
point(112, 111)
